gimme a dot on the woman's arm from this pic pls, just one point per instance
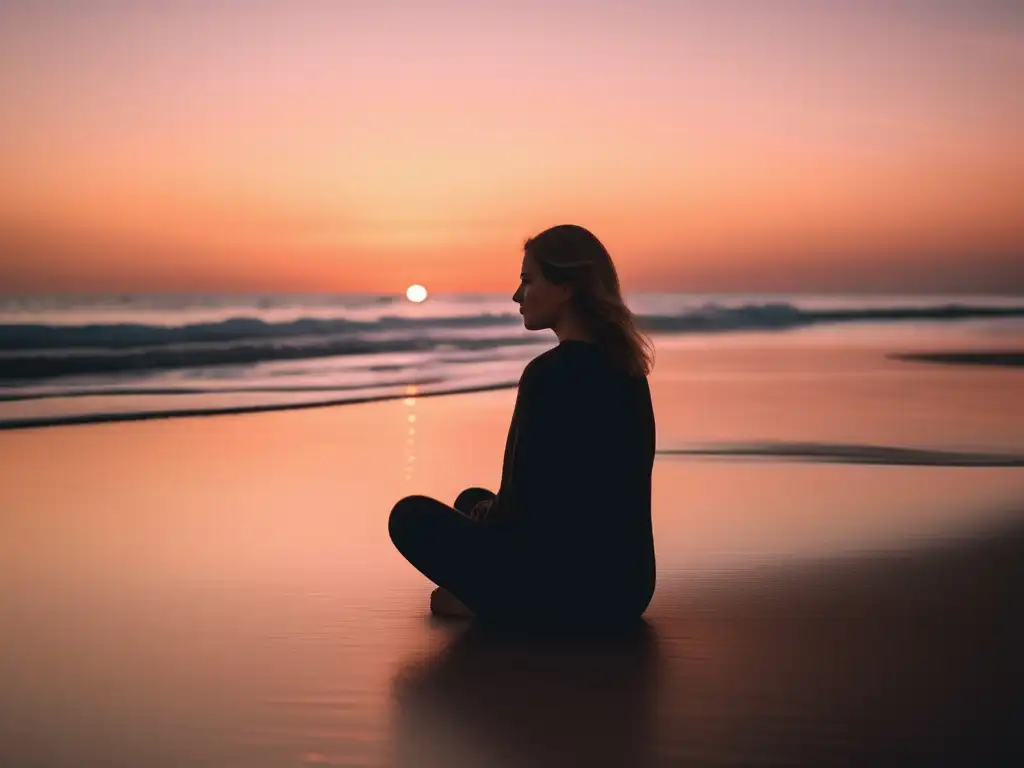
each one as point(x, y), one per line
point(558, 468)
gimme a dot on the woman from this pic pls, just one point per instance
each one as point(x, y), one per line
point(568, 535)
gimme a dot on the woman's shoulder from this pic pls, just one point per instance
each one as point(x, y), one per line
point(573, 361)
point(542, 367)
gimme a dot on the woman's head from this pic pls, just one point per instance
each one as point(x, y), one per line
point(568, 273)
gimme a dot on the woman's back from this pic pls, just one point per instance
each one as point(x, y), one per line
point(576, 482)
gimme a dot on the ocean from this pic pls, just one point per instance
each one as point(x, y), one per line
point(82, 359)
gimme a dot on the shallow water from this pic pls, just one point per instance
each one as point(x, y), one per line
point(88, 359)
point(221, 591)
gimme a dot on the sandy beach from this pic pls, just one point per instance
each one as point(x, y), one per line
point(221, 590)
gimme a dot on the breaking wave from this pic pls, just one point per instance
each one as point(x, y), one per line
point(42, 351)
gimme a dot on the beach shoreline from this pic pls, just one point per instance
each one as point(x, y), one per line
point(223, 590)
point(1009, 359)
point(111, 418)
point(1002, 358)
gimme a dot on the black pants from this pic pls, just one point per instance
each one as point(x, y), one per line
point(501, 577)
point(457, 553)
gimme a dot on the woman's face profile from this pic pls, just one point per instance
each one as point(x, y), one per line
point(540, 301)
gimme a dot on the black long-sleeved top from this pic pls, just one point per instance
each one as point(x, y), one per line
point(575, 490)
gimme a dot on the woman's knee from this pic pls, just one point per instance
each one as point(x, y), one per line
point(404, 517)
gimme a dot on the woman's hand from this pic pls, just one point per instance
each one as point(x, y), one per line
point(481, 510)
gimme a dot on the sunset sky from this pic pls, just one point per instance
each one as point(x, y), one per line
point(362, 146)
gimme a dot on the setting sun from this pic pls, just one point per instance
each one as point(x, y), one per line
point(416, 293)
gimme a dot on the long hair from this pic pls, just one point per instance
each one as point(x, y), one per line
point(571, 255)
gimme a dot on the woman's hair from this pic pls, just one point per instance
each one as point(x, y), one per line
point(571, 255)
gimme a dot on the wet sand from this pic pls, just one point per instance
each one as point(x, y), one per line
point(221, 591)
point(911, 659)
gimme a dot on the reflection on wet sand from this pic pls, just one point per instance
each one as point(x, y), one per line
point(888, 659)
point(499, 697)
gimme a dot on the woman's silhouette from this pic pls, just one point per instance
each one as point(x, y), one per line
point(568, 535)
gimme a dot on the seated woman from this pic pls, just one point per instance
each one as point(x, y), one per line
point(568, 535)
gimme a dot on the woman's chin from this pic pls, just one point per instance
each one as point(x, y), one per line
point(531, 324)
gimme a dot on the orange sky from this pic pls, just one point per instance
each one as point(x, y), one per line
point(363, 146)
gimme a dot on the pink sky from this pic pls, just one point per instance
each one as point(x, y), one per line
point(364, 146)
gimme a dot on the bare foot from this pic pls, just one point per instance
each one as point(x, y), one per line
point(444, 603)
